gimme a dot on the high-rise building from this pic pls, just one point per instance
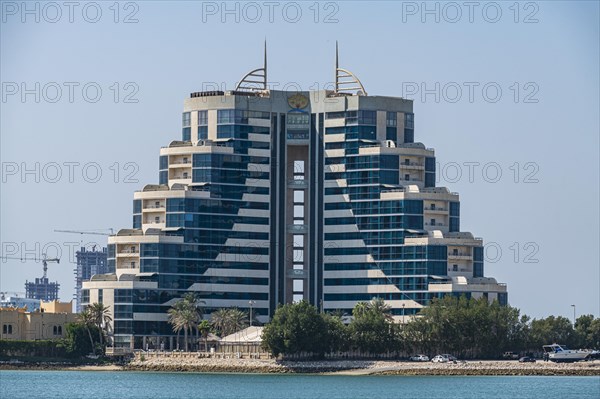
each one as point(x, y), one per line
point(42, 289)
point(89, 263)
point(271, 197)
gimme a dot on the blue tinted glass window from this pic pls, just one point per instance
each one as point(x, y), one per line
point(163, 177)
point(367, 117)
point(110, 251)
point(202, 118)
point(477, 269)
point(409, 121)
point(503, 298)
point(478, 254)
point(186, 134)
point(430, 164)
point(186, 119)
point(391, 119)
point(454, 208)
point(429, 179)
point(454, 224)
point(298, 118)
point(163, 162)
point(391, 133)
point(202, 132)
point(137, 206)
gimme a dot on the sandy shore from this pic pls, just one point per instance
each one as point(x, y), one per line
point(328, 367)
point(365, 367)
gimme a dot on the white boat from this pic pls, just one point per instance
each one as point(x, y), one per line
point(560, 353)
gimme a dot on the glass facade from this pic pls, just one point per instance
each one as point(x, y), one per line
point(288, 204)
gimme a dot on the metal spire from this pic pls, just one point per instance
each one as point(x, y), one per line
point(247, 83)
point(344, 77)
point(265, 63)
point(337, 61)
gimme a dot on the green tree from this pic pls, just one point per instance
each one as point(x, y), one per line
point(296, 328)
point(372, 329)
point(101, 318)
point(338, 334)
point(468, 328)
point(204, 327)
point(587, 330)
point(86, 318)
point(78, 339)
point(227, 321)
point(185, 315)
point(552, 329)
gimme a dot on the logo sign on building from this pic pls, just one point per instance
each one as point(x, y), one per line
point(297, 101)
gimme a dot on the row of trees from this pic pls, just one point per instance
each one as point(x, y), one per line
point(468, 328)
point(187, 315)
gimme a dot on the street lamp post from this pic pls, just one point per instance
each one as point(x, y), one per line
point(251, 303)
point(573, 315)
point(403, 305)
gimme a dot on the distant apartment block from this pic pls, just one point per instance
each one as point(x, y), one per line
point(89, 263)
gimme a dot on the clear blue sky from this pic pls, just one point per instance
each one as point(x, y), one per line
point(548, 123)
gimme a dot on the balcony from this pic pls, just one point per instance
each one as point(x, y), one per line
point(460, 256)
point(153, 208)
point(443, 211)
point(412, 179)
point(127, 265)
point(435, 224)
point(128, 252)
point(412, 165)
point(460, 270)
point(180, 164)
point(154, 221)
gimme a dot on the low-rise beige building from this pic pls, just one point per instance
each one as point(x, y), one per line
point(47, 323)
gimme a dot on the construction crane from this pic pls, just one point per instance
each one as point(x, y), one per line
point(41, 288)
point(44, 260)
point(98, 233)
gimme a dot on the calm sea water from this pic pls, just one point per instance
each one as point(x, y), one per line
point(123, 385)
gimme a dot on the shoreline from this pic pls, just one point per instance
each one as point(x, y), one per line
point(329, 367)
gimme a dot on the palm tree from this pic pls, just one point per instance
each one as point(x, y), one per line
point(360, 309)
point(100, 317)
point(185, 315)
point(238, 320)
point(229, 320)
point(376, 306)
point(204, 327)
point(86, 318)
point(379, 306)
point(219, 320)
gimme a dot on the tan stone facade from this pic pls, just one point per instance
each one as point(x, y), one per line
point(49, 323)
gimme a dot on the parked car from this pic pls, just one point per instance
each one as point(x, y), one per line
point(450, 357)
point(443, 358)
point(527, 359)
point(420, 358)
point(439, 359)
